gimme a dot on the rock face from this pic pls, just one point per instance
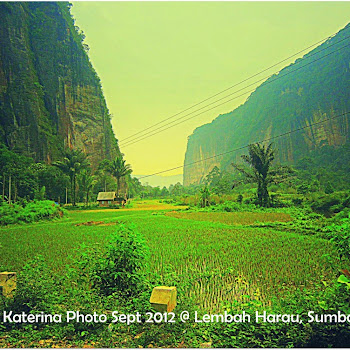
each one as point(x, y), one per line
point(312, 89)
point(50, 95)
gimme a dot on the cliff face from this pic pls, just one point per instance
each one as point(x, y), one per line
point(50, 95)
point(299, 97)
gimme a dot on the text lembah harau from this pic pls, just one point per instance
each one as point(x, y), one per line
point(244, 317)
point(265, 317)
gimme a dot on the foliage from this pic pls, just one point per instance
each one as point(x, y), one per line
point(54, 51)
point(134, 186)
point(260, 170)
point(37, 288)
point(28, 178)
point(86, 183)
point(219, 182)
point(104, 181)
point(15, 170)
point(216, 265)
point(203, 257)
point(73, 162)
point(204, 197)
point(121, 268)
point(339, 233)
point(118, 169)
point(329, 204)
point(325, 169)
point(33, 211)
point(230, 206)
point(52, 178)
point(328, 299)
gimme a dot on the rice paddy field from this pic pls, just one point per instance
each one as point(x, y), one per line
point(214, 258)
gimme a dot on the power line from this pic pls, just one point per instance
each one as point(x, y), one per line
point(264, 70)
point(231, 99)
point(210, 97)
point(243, 147)
point(140, 138)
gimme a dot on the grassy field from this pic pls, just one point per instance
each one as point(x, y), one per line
point(214, 258)
point(232, 218)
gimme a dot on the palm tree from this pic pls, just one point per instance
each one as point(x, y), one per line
point(87, 181)
point(73, 162)
point(204, 196)
point(259, 159)
point(119, 169)
point(260, 171)
point(103, 172)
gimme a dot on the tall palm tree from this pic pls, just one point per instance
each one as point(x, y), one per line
point(260, 170)
point(73, 162)
point(86, 182)
point(259, 158)
point(103, 172)
point(119, 169)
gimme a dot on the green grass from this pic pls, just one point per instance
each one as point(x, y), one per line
point(214, 263)
point(236, 218)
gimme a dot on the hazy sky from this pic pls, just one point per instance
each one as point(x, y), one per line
point(157, 58)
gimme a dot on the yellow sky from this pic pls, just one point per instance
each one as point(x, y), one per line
point(158, 58)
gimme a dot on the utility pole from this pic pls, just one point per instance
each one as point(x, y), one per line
point(10, 189)
point(3, 186)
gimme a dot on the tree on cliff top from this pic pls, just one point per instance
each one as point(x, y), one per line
point(260, 171)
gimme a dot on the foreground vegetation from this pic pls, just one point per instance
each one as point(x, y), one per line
point(267, 238)
point(217, 261)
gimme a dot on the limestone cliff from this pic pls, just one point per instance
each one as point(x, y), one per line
point(50, 95)
point(294, 98)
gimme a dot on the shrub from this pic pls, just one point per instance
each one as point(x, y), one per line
point(346, 202)
point(297, 201)
point(121, 269)
point(339, 233)
point(33, 211)
point(37, 288)
point(328, 204)
point(130, 205)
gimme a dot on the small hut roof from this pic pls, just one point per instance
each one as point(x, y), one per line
point(106, 196)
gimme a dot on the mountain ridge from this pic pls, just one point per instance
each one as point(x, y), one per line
point(318, 91)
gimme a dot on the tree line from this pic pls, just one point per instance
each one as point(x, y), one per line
point(322, 173)
point(71, 179)
point(67, 180)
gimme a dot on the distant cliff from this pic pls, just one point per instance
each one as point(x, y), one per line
point(296, 99)
point(50, 95)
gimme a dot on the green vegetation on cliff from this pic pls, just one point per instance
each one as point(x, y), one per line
point(50, 95)
point(294, 98)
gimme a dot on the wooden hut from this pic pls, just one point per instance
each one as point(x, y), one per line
point(106, 198)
